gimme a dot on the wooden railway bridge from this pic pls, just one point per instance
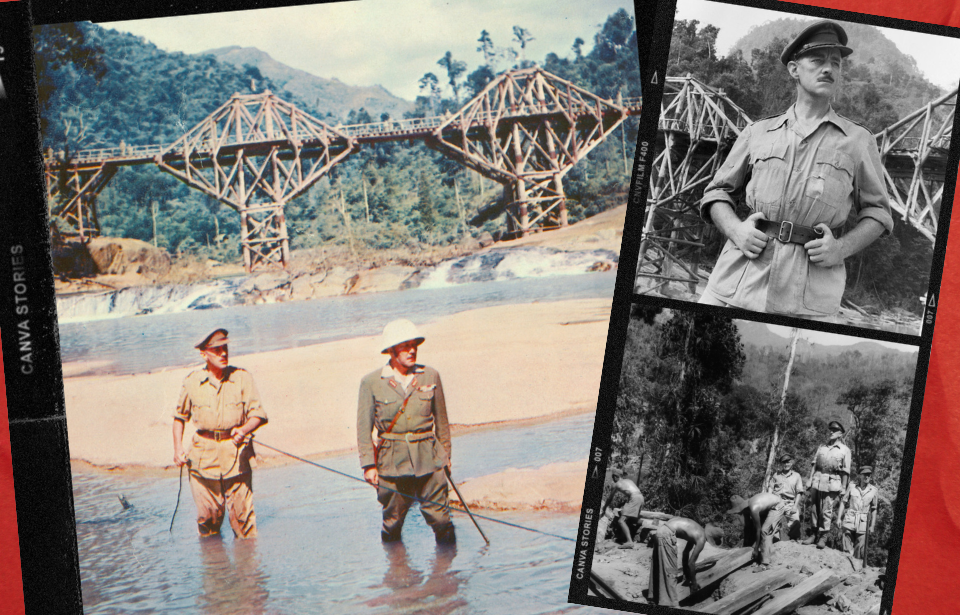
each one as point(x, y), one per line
point(525, 130)
point(698, 126)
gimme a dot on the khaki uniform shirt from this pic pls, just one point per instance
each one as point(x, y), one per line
point(830, 463)
point(427, 447)
point(213, 404)
point(788, 486)
point(801, 178)
point(859, 504)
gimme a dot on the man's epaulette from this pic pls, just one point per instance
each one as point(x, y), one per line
point(770, 117)
point(843, 117)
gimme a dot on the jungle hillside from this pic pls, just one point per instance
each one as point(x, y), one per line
point(103, 88)
point(701, 397)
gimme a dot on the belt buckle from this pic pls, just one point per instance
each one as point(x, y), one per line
point(783, 225)
point(407, 435)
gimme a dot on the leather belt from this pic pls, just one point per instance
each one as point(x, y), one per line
point(214, 434)
point(409, 436)
point(788, 232)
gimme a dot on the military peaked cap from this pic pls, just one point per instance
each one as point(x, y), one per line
point(818, 35)
point(786, 457)
point(866, 470)
point(216, 339)
point(836, 426)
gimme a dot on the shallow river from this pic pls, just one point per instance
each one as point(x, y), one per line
point(146, 343)
point(319, 548)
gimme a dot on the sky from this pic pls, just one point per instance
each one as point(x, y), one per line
point(832, 339)
point(392, 43)
point(734, 21)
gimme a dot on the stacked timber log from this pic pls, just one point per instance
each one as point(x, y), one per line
point(729, 563)
point(771, 592)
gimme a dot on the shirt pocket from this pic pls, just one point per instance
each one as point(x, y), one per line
point(384, 409)
point(768, 182)
point(831, 186)
point(232, 414)
point(425, 400)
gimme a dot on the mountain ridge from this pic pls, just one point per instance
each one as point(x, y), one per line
point(326, 95)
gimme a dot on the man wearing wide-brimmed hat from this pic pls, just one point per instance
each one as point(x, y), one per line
point(223, 403)
point(828, 480)
point(858, 512)
point(801, 173)
point(404, 401)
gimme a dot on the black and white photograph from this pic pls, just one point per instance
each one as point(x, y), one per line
point(799, 167)
point(750, 464)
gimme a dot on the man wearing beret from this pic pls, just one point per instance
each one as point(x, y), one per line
point(828, 479)
point(860, 504)
point(224, 405)
point(404, 401)
point(788, 486)
point(801, 174)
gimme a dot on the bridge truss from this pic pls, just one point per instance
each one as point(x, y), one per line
point(525, 130)
point(698, 126)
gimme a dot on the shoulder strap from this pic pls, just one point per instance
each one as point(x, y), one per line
point(403, 407)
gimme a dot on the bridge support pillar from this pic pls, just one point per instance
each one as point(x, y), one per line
point(264, 237)
point(72, 191)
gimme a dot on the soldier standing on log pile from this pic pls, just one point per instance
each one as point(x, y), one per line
point(801, 173)
point(405, 402)
point(828, 480)
point(860, 504)
point(223, 402)
point(788, 484)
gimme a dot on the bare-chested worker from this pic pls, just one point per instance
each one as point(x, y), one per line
point(662, 588)
point(629, 519)
point(762, 514)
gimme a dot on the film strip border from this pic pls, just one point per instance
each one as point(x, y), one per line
point(653, 74)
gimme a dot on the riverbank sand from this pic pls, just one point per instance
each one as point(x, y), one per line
point(498, 364)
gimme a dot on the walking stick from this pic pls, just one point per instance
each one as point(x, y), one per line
point(179, 489)
point(866, 540)
point(446, 471)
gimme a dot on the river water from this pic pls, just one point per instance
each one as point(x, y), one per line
point(319, 548)
point(146, 343)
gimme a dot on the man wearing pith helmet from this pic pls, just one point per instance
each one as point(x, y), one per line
point(224, 405)
point(404, 401)
point(801, 174)
point(829, 475)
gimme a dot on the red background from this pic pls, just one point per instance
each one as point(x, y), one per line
point(11, 589)
point(929, 565)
